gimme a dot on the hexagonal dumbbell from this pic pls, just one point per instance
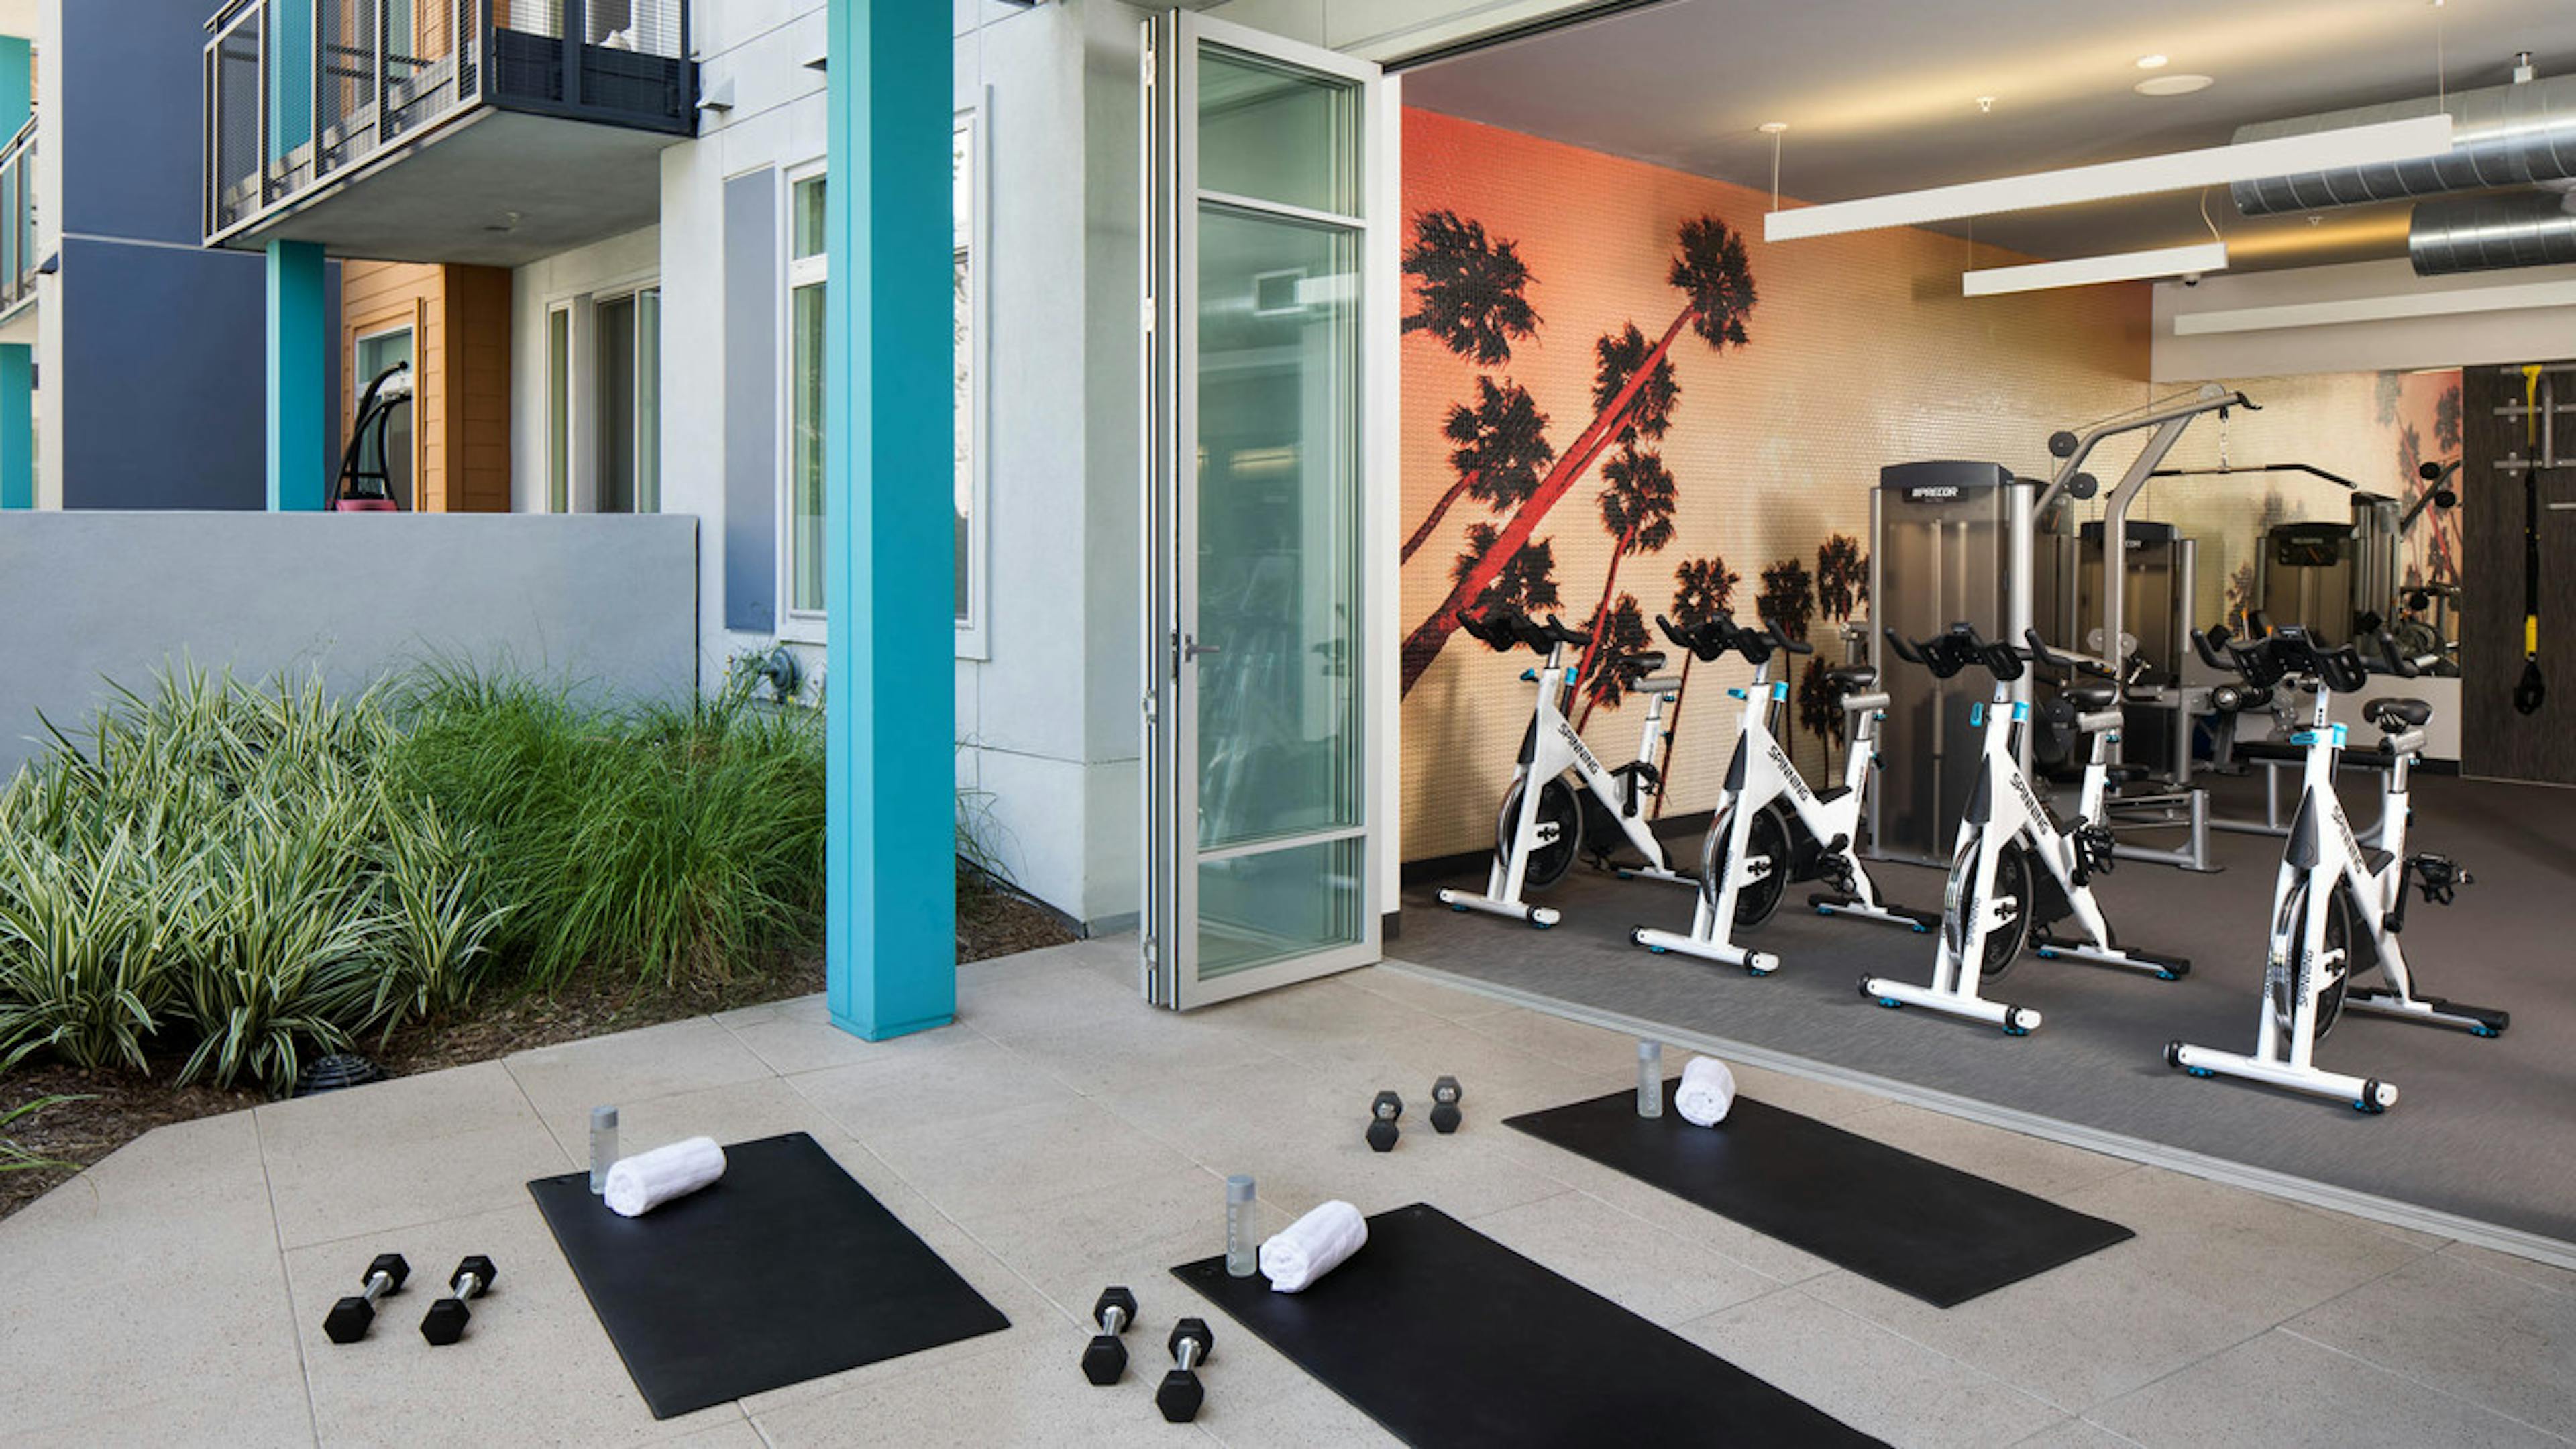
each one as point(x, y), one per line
point(446, 1321)
point(1382, 1115)
point(349, 1318)
point(1444, 1105)
point(1180, 1395)
point(1105, 1361)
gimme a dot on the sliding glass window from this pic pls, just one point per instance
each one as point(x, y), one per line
point(806, 278)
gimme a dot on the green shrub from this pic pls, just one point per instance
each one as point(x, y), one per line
point(240, 877)
point(676, 841)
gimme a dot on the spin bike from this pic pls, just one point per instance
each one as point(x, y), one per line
point(1770, 828)
point(1534, 848)
point(2017, 870)
point(2337, 907)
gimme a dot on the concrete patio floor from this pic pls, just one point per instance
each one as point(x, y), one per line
point(1062, 1136)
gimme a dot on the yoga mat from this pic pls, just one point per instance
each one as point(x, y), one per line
point(1921, 1228)
point(785, 1270)
point(1444, 1336)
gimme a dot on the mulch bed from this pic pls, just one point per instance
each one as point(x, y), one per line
point(115, 1107)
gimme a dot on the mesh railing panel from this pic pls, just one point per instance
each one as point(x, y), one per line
point(422, 60)
point(235, 83)
point(344, 104)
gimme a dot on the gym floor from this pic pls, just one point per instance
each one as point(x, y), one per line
point(1061, 1137)
point(2483, 1129)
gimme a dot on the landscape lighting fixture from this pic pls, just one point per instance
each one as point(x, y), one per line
point(2379, 143)
point(2087, 271)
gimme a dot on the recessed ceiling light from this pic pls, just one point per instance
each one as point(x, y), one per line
point(1773, 128)
point(1985, 105)
point(2172, 85)
point(2151, 62)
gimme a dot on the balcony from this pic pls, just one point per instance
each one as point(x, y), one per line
point(18, 259)
point(487, 132)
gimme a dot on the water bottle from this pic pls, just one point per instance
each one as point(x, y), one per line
point(1242, 1252)
point(603, 1146)
point(1650, 1078)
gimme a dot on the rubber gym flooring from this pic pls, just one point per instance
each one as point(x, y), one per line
point(2485, 1128)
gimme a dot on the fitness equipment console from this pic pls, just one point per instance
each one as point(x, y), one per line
point(2017, 870)
point(1770, 827)
point(2337, 907)
point(1534, 848)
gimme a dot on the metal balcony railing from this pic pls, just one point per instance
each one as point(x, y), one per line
point(18, 259)
point(301, 91)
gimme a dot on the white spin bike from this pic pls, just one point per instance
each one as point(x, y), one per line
point(1534, 848)
point(2337, 907)
point(1770, 827)
point(2017, 870)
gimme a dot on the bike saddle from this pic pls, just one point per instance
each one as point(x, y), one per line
point(2396, 713)
point(2090, 697)
point(1852, 679)
point(1643, 662)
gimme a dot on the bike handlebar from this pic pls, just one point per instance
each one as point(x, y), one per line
point(2280, 653)
point(2073, 664)
point(1947, 653)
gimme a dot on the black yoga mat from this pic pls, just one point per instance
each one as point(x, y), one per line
point(1444, 1336)
point(785, 1270)
point(1934, 1232)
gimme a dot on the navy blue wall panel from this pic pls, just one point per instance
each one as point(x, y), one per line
point(133, 137)
point(164, 376)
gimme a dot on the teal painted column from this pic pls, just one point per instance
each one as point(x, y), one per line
point(17, 426)
point(299, 354)
point(890, 528)
point(17, 360)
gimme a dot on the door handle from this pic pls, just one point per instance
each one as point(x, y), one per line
point(1191, 649)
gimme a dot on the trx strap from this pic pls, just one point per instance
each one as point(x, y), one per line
point(2528, 693)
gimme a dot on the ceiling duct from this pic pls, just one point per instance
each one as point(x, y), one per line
point(2492, 233)
point(2509, 135)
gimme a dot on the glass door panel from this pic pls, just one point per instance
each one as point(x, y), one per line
point(1260, 835)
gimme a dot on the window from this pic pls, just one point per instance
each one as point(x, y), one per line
point(806, 278)
point(965, 332)
point(559, 410)
point(629, 381)
point(388, 453)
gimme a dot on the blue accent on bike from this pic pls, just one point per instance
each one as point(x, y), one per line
point(1735, 694)
point(2198, 1071)
point(2482, 1031)
point(1890, 1002)
point(1976, 716)
point(1780, 691)
point(1529, 676)
point(2016, 1031)
point(2163, 975)
point(2021, 712)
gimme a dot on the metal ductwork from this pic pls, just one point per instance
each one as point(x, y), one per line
point(2522, 134)
point(2492, 233)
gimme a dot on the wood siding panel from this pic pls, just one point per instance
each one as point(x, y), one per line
point(460, 318)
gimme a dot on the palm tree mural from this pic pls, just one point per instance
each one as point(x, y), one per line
point(1788, 597)
point(1710, 270)
point(1502, 445)
point(1842, 586)
point(1468, 290)
point(1703, 588)
point(1617, 358)
point(1842, 577)
point(1637, 509)
point(1622, 632)
point(1527, 584)
point(2446, 420)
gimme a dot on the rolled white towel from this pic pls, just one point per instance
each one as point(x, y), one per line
point(1312, 1246)
point(1706, 1092)
point(639, 1184)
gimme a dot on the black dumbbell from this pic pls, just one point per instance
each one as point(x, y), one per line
point(446, 1321)
point(1105, 1361)
point(348, 1319)
point(1180, 1396)
point(1444, 1105)
point(1382, 1115)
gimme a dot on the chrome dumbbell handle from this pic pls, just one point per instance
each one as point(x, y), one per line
point(1188, 1355)
point(379, 1283)
point(1113, 1320)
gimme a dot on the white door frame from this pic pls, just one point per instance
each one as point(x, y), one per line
point(1169, 935)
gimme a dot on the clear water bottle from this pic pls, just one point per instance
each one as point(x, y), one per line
point(1242, 1248)
point(603, 1146)
point(1650, 1078)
